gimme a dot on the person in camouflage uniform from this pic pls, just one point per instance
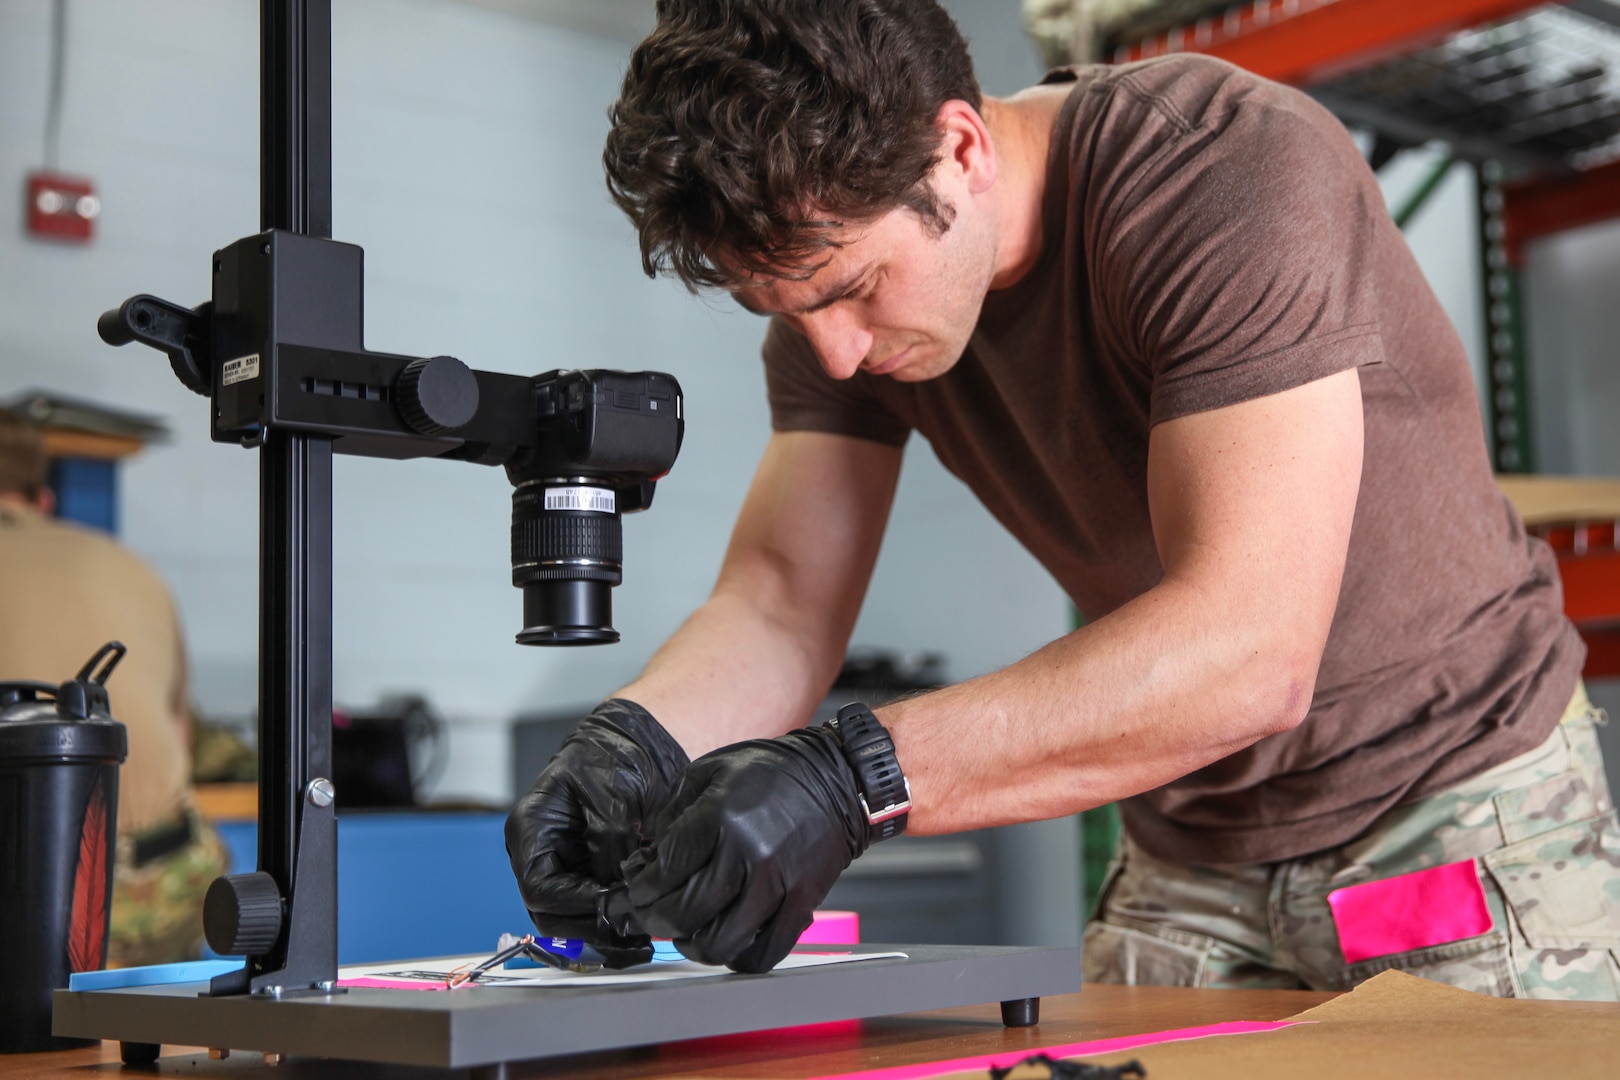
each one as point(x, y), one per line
point(157, 903)
point(68, 589)
point(1542, 833)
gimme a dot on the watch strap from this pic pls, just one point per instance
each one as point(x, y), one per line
point(884, 793)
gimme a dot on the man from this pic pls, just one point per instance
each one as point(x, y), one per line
point(67, 591)
point(1157, 318)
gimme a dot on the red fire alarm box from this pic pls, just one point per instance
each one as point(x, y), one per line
point(62, 207)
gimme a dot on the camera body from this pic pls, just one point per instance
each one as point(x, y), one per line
point(621, 427)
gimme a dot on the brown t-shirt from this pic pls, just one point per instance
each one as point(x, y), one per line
point(1211, 238)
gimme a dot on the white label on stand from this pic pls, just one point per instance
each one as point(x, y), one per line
point(599, 500)
point(241, 369)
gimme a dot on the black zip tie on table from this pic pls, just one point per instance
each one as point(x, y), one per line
point(1057, 1069)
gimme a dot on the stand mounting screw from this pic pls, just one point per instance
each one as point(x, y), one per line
point(321, 792)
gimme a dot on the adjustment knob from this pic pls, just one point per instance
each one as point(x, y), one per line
point(242, 914)
point(437, 394)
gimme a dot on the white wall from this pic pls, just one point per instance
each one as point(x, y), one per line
point(1571, 283)
point(466, 150)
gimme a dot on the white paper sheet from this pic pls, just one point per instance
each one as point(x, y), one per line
point(425, 973)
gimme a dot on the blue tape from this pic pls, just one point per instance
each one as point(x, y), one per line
point(153, 975)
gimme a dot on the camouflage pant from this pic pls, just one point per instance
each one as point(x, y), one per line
point(1542, 834)
point(157, 906)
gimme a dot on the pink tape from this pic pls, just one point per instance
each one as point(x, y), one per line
point(833, 928)
point(1100, 1046)
point(391, 984)
point(1412, 911)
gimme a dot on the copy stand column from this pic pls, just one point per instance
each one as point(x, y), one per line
point(284, 917)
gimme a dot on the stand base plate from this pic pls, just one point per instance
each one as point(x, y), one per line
point(489, 1025)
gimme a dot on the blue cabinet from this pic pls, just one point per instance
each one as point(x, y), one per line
point(413, 884)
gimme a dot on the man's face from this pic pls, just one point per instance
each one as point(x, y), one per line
point(894, 300)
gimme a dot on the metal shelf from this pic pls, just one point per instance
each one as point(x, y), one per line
point(1533, 86)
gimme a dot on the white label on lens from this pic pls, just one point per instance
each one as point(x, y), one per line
point(598, 500)
point(241, 369)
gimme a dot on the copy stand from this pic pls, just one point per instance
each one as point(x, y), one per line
point(278, 351)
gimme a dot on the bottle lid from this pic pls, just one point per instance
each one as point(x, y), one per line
point(65, 723)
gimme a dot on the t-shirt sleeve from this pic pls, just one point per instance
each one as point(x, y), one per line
point(803, 397)
point(1233, 258)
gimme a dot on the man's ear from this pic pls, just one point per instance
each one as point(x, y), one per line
point(45, 501)
point(967, 147)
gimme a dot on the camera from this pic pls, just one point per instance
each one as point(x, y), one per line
point(278, 348)
point(604, 440)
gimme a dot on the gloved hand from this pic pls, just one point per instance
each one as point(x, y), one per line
point(588, 810)
point(750, 844)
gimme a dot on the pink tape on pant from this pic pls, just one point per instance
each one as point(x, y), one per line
point(1100, 1046)
point(1412, 911)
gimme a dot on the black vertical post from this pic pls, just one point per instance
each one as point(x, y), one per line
point(295, 123)
point(295, 543)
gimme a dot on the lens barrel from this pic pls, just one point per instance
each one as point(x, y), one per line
point(567, 555)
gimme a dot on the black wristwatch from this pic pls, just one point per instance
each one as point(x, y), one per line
point(885, 794)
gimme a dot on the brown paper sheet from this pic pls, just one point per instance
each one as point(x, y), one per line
point(1554, 500)
point(1397, 1025)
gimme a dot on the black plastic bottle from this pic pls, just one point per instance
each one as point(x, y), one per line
point(60, 750)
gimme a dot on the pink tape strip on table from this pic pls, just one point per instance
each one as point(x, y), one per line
point(1100, 1046)
point(371, 982)
point(1412, 911)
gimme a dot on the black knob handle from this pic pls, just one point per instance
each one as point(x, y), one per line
point(114, 328)
point(242, 914)
point(437, 394)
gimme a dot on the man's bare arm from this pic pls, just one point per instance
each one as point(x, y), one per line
point(1252, 507)
point(758, 656)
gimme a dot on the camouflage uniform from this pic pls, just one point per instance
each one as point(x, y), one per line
point(1540, 829)
point(157, 906)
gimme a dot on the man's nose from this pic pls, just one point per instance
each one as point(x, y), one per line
point(840, 341)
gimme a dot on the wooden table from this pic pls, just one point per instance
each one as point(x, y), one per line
point(1099, 1012)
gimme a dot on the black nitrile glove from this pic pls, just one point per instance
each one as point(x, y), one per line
point(750, 844)
point(589, 809)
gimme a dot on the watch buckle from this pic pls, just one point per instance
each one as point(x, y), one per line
point(890, 812)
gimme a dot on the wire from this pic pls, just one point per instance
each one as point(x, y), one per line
point(53, 102)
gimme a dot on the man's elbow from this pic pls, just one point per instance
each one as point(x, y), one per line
point(1282, 694)
point(1272, 692)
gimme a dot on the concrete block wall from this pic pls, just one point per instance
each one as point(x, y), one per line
point(466, 150)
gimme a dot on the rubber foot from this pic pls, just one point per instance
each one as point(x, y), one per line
point(138, 1053)
point(1021, 1012)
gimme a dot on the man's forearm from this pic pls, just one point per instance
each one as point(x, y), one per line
point(1145, 695)
point(733, 672)
point(758, 656)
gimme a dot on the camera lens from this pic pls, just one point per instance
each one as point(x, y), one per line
point(567, 555)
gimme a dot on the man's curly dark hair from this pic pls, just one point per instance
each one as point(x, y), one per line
point(748, 132)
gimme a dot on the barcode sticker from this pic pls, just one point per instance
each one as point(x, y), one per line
point(241, 369)
point(598, 500)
